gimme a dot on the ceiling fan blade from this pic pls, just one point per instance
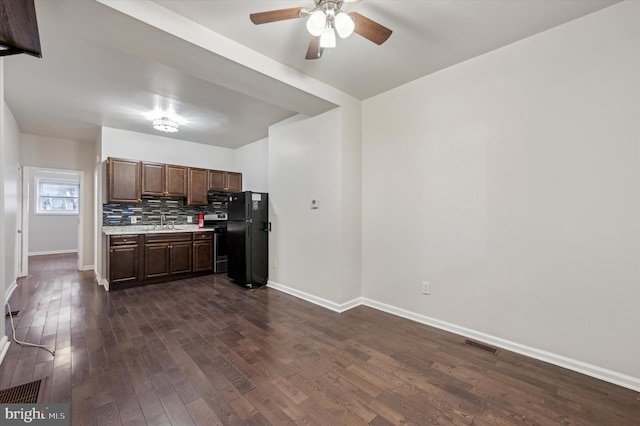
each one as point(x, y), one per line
point(276, 15)
point(314, 51)
point(369, 29)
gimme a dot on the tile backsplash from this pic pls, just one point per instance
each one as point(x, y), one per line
point(149, 211)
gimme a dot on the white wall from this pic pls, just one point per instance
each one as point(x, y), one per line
point(4, 343)
point(350, 202)
point(50, 233)
point(159, 149)
point(304, 164)
point(10, 165)
point(511, 182)
point(9, 162)
point(99, 185)
point(63, 154)
point(252, 161)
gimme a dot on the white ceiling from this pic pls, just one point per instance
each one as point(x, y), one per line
point(101, 67)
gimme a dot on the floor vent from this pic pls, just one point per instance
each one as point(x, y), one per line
point(12, 313)
point(481, 346)
point(27, 393)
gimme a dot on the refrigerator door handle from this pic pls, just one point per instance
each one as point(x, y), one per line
point(266, 226)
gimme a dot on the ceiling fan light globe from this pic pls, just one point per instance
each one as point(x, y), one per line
point(316, 23)
point(328, 38)
point(344, 25)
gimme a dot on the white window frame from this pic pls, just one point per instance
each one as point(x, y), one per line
point(39, 211)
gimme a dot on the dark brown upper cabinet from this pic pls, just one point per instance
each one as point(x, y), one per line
point(216, 180)
point(234, 182)
point(220, 180)
point(164, 180)
point(153, 179)
point(176, 181)
point(197, 188)
point(123, 181)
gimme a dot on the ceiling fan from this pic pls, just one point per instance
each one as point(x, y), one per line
point(324, 21)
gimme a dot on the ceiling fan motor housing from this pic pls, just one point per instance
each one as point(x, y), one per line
point(324, 21)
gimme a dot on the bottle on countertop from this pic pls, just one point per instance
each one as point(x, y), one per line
point(200, 220)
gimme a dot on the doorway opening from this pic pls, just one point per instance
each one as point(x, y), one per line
point(52, 214)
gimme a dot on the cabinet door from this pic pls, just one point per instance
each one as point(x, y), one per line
point(123, 264)
point(176, 181)
point(153, 179)
point(156, 260)
point(216, 180)
point(197, 194)
point(202, 255)
point(181, 257)
point(234, 182)
point(123, 181)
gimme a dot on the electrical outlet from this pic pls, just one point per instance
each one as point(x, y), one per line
point(189, 219)
point(275, 263)
point(426, 287)
point(134, 220)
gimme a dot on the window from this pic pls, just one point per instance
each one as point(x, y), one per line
point(57, 196)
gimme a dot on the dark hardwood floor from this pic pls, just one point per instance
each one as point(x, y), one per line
point(205, 351)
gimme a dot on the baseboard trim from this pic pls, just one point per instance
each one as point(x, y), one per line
point(333, 306)
point(9, 291)
point(48, 252)
point(88, 268)
point(610, 376)
point(101, 281)
point(4, 347)
point(594, 371)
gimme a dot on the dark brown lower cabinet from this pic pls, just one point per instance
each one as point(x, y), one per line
point(124, 259)
point(156, 260)
point(180, 257)
point(202, 252)
point(152, 258)
point(167, 254)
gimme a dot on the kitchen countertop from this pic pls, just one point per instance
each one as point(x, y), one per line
point(151, 229)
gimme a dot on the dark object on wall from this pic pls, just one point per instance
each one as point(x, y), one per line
point(19, 28)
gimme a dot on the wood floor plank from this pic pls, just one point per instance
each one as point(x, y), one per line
point(205, 351)
point(173, 405)
point(108, 415)
point(202, 413)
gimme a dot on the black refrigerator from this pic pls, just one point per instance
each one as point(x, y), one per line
point(248, 238)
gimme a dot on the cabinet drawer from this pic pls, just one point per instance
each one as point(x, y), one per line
point(119, 240)
point(169, 237)
point(197, 236)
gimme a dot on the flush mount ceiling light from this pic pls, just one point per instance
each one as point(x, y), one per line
point(324, 21)
point(165, 124)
